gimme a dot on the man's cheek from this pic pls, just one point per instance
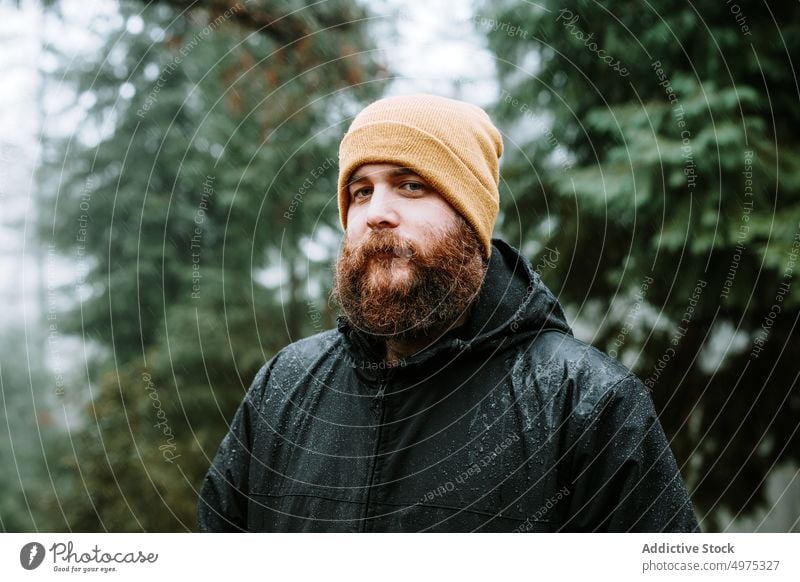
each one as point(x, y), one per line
point(351, 235)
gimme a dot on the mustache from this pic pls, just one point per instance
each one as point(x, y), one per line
point(386, 244)
point(446, 274)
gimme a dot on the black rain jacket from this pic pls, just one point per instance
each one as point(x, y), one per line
point(506, 424)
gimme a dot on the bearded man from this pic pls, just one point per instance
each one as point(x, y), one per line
point(453, 395)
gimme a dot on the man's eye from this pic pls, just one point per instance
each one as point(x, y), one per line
point(413, 186)
point(362, 192)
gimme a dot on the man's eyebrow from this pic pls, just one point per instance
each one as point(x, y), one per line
point(355, 178)
point(358, 176)
point(402, 172)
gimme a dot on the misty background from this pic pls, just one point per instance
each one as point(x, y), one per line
point(168, 221)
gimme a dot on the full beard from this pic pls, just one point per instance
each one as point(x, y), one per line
point(393, 288)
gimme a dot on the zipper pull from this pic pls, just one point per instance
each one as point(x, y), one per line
point(383, 380)
point(377, 400)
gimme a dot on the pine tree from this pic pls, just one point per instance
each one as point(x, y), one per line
point(655, 157)
point(207, 159)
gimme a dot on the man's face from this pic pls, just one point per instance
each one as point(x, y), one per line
point(410, 264)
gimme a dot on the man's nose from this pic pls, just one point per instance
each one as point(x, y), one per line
point(381, 212)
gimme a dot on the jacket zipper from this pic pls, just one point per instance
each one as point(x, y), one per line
point(379, 409)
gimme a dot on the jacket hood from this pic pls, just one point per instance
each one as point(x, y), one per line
point(513, 305)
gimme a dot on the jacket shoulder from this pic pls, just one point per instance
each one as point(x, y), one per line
point(303, 354)
point(587, 374)
point(312, 347)
point(293, 362)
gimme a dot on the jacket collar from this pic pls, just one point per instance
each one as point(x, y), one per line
point(513, 305)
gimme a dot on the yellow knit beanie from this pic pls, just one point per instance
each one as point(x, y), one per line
point(453, 145)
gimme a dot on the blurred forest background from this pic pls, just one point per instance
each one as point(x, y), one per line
point(168, 221)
